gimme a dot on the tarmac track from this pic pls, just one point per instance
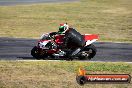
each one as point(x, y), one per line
point(24, 2)
point(19, 49)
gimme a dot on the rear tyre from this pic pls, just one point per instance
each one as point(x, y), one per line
point(89, 52)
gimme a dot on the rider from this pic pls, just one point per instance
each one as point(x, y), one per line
point(71, 37)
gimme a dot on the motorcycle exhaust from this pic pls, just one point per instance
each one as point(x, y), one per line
point(76, 52)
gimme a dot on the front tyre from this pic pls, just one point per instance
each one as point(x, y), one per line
point(35, 53)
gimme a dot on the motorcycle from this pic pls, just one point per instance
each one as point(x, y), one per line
point(49, 46)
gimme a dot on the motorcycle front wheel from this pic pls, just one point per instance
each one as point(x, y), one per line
point(36, 54)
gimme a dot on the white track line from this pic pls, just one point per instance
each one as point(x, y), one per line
point(70, 61)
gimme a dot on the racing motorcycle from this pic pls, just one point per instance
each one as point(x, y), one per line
point(49, 46)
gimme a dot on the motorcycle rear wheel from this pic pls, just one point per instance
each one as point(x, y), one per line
point(89, 52)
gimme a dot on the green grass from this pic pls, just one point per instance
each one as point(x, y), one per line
point(60, 74)
point(110, 19)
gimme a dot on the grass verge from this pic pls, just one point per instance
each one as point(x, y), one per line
point(111, 19)
point(60, 74)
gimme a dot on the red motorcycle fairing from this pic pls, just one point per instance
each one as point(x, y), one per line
point(42, 41)
point(52, 51)
point(49, 51)
point(59, 39)
point(90, 37)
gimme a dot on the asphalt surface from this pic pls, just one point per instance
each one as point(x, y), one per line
point(19, 49)
point(23, 2)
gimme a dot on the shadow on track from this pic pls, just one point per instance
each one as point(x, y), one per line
point(27, 58)
point(32, 58)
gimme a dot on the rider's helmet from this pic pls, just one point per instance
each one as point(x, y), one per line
point(63, 28)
